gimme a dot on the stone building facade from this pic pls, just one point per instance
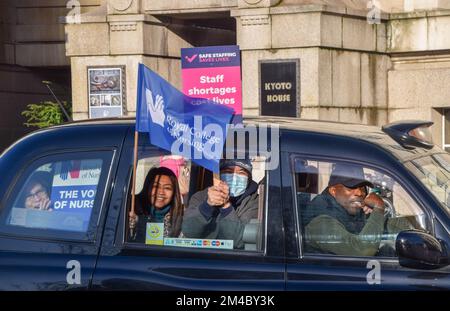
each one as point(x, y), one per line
point(356, 63)
point(32, 50)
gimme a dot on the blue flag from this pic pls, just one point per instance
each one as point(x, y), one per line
point(194, 128)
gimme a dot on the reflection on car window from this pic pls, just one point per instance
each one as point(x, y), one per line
point(349, 209)
point(173, 207)
point(58, 195)
point(434, 172)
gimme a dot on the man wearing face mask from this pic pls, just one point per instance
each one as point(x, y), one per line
point(222, 211)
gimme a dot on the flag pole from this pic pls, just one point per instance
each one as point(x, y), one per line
point(216, 179)
point(132, 214)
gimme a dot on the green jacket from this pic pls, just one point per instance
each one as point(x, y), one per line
point(330, 229)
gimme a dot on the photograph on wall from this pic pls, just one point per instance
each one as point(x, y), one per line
point(106, 92)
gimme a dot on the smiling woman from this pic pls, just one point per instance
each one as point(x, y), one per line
point(159, 207)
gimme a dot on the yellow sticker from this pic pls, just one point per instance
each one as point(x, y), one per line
point(154, 233)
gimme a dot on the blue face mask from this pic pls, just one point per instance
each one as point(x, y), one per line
point(237, 183)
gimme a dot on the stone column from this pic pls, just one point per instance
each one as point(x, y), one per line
point(254, 33)
point(418, 82)
point(343, 66)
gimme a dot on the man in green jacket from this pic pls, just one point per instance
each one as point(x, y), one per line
point(222, 211)
point(344, 219)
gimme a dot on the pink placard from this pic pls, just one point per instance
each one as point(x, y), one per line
point(214, 73)
point(220, 84)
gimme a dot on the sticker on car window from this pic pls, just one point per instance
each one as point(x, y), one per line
point(154, 234)
point(199, 243)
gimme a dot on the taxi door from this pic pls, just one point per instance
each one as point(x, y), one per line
point(313, 155)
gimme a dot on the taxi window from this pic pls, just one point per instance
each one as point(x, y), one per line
point(172, 206)
point(351, 210)
point(61, 193)
point(434, 172)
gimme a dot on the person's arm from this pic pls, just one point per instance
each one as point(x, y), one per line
point(329, 235)
point(199, 217)
point(398, 224)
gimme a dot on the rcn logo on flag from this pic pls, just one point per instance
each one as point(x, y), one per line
point(194, 128)
point(155, 107)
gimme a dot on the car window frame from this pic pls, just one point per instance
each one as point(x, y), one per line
point(108, 157)
point(121, 234)
point(401, 182)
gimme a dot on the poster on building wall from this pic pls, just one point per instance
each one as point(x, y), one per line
point(279, 87)
point(106, 91)
point(213, 72)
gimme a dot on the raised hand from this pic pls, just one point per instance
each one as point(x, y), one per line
point(218, 195)
point(44, 205)
point(373, 201)
point(132, 222)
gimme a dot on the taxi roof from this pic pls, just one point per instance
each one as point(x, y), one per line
point(340, 128)
point(368, 133)
point(372, 134)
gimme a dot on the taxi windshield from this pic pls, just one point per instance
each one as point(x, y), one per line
point(434, 172)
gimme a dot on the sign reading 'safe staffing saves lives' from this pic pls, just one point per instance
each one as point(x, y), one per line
point(213, 72)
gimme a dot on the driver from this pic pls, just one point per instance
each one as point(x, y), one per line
point(344, 219)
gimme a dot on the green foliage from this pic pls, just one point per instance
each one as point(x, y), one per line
point(45, 114)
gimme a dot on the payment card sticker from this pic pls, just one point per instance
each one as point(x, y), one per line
point(154, 233)
point(199, 243)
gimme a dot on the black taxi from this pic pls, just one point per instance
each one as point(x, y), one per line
point(77, 236)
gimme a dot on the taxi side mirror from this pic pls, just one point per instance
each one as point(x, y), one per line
point(420, 250)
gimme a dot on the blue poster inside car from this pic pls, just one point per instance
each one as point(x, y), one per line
point(72, 196)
